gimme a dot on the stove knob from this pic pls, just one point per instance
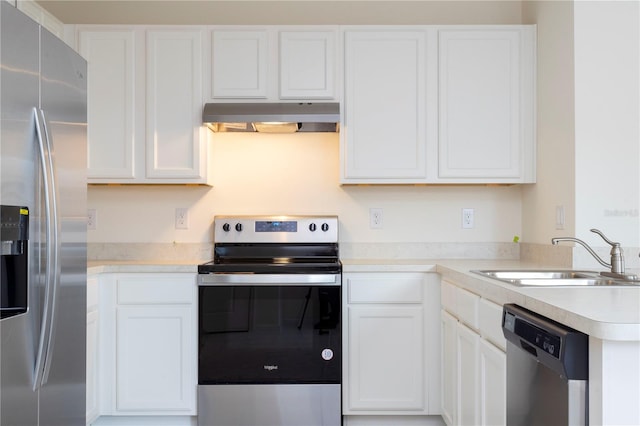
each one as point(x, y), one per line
point(226, 227)
point(312, 227)
point(239, 227)
point(325, 227)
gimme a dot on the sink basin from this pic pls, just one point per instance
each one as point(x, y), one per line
point(536, 275)
point(564, 282)
point(553, 278)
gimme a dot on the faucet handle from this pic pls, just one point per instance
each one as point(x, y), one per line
point(611, 243)
point(617, 257)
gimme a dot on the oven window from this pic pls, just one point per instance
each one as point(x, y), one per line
point(269, 334)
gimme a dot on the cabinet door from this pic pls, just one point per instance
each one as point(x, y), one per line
point(467, 342)
point(449, 367)
point(174, 106)
point(384, 126)
point(307, 64)
point(154, 359)
point(240, 64)
point(111, 107)
point(385, 358)
point(485, 105)
point(493, 385)
point(93, 349)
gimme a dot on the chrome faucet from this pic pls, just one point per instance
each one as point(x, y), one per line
point(617, 256)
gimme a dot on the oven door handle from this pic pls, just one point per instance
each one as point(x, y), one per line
point(269, 279)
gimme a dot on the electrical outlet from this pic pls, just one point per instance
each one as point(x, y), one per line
point(375, 218)
point(467, 218)
point(92, 219)
point(182, 218)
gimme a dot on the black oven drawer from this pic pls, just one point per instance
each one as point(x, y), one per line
point(285, 334)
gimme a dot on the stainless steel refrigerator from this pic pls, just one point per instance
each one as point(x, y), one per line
point(43, 205)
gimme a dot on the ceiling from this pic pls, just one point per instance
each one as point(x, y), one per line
point(267, 12)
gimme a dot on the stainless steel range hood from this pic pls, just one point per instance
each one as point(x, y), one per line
point(285, 117)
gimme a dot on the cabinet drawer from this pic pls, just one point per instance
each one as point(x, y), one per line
point(490, 318)
point(155, 289)
point(467, 307)
point(448, 297)
point(385, 288)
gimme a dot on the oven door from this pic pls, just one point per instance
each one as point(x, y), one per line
point(269, 329)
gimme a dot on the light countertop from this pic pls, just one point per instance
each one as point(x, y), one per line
point(119, 266)
point(608, 313)
point(601, 312)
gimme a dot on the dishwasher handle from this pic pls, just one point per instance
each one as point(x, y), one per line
point(560, 348)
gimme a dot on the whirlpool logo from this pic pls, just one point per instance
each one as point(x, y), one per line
point(270, 367)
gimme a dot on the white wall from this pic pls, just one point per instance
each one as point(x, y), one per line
point(299, 174)
point(588, 125)
point(607, 81)
point(555, 123)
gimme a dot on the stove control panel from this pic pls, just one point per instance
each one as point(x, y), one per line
point(275, 229)
point(277, 226)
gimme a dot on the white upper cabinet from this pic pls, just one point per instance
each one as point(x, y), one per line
point(111, 110)
point(435, 104)
point(307, 64)
point(486, 114)
point(420, 104)
point(145, 101)
point(240, 64)
point(174, 148)
point(273, 63)
point(383, 133)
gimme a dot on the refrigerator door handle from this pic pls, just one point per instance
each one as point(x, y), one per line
point(55, 242)
point(52, 268)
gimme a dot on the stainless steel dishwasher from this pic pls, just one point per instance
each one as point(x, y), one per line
point(547, 370)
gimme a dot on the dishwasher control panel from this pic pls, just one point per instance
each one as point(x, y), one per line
point(561, 348)
point(542, 339)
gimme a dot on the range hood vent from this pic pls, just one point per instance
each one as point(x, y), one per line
point(272, 117)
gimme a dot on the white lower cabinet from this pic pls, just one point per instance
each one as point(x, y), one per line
point(473, 359)
point(448, 334)
point(93, 350)
point(152, 369)
point(385, 358)
point(493, 379)
point(467, 356)
point(390, 367)
point(150, 344)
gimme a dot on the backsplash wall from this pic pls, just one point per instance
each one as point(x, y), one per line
point(299, 174)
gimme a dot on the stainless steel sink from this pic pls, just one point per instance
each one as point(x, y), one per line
point(535, 274)
point(553, 278)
